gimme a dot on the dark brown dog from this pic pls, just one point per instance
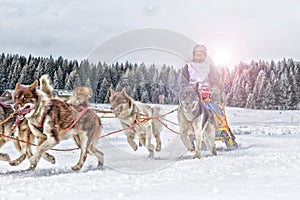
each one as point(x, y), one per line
point(33, 104)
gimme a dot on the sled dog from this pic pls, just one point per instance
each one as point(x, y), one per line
point(21, 132)
point(50, 119)
point(194, 118)
point(130, 112)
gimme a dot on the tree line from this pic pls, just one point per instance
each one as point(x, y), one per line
point(143, 83)
point(263, 85)
point(258, 85)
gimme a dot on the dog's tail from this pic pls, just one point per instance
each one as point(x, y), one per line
point(46, 87)
point(81, 96)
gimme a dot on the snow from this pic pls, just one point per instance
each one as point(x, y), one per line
point(265, 167)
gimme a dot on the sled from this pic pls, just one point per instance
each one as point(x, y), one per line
point(223, 132)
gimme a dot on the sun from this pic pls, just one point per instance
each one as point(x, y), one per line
point(226, 48)
point(223, 57)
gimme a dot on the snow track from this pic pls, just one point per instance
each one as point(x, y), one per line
point(267, 166)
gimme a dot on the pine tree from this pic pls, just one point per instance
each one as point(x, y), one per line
point(84, 71)
point(145, 97)
point(283, 90)
point(15, 73)
point(25, 78)
point(103, 90)
point(38, 70)
point(73, 80)
point(259, 92)
point(3, 74)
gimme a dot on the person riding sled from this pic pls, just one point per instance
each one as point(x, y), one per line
point(201, 70)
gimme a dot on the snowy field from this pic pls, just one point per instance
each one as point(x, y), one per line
point(266, 166)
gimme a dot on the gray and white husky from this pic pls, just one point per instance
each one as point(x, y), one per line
point(131, 112)
point(195, 119)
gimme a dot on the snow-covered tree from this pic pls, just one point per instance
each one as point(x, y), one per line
point(73, 80)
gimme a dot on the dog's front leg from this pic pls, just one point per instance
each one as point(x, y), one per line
point(21, 147)
point(198, 141)
point(130, 139)
point(209, 138)
point(3, 156)
point(45, 146)
point(183, 129)
point(48, 157)
point(158, 141)
point(148, 144)
point(25, 149)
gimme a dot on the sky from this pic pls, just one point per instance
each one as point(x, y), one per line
point(232, 30)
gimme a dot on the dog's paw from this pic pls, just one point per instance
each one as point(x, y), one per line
point(4, 157)
point(49, 158)
point(151, 155)
point(18, 160)
point(100, 166)
point(33, 160)
point(191, 149)
point(158, 148)
point(14, 162)
point(76, 167)
point(32, 167)
point(134, 147)
point(196, 155)
point(214, 151)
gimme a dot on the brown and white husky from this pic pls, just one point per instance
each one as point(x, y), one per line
point(50, 119)
point(130, 112)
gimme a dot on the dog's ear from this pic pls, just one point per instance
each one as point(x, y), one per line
point(18, 86)
point(124, 90)
point(34, 85)
point(112, 92)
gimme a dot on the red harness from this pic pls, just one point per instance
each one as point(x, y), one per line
point(82, 112)
point(4, 105)
point(135, 121)
point(41, 124)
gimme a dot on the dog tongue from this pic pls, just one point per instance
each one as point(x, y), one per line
point(24, 111)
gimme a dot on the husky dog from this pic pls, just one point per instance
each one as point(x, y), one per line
point(130, 112)
point(195, 118)
point(21, 131)
point(50, 120)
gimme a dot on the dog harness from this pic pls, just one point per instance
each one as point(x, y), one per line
point(137, 116)
point(4, 105)
point(40, 126)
